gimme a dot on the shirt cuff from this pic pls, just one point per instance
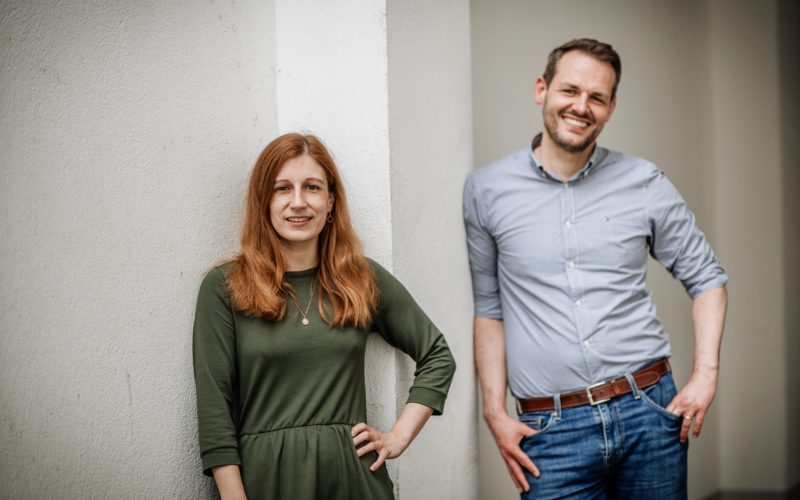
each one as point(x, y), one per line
point(716, 282)
point(428, 397)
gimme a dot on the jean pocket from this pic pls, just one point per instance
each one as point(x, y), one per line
point(539, 421)
point(660, 409)
point(659, 395)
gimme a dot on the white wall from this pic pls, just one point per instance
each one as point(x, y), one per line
point(128, 132)
point(699, 96)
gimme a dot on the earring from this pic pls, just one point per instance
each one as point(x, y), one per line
point(330, 217)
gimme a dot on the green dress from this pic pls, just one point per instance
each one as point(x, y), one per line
point(280, 399)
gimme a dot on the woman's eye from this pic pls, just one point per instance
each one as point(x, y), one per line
point(314, 187)
point(282, 187)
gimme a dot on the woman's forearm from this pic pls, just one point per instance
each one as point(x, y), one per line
point(229, 482)
point(410, 422)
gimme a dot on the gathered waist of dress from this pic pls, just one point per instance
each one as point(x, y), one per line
point(288, 427)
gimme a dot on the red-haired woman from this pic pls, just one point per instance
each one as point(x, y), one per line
point(279, 340)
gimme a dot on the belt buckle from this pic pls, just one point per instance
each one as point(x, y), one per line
point(591, 398)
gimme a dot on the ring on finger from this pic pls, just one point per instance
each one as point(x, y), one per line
point(688, 417)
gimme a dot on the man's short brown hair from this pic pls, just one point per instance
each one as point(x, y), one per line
point(599, 50)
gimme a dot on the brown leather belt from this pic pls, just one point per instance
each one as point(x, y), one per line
point(598, 393)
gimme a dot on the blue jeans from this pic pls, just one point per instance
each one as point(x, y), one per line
point(624, 448)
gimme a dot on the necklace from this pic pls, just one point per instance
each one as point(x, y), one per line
point(308, 307)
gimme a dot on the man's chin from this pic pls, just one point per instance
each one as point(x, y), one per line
point(575, 147)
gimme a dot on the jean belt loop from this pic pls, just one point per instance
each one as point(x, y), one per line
point(557, 405)
point(634, 387)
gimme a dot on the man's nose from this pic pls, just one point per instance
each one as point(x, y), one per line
point(581, 104)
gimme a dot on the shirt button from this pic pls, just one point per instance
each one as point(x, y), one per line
point(578, 303)
point(571, 263)
point(587, 343)
point(568, 224)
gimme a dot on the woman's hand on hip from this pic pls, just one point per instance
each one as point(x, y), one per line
point(391, 444)
point(385, 444)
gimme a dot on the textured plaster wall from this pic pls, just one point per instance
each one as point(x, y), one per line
point(431, 154)
point(128, 132)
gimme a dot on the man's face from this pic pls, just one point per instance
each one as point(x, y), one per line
point(578, 102)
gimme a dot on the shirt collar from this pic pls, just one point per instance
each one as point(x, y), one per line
point(596, 158)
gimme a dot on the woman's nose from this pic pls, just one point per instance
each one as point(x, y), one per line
point(297, 198)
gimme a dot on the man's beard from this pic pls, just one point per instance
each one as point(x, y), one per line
point(551, 127)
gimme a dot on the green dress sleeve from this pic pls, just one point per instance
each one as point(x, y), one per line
point(402, 323)
point(215, 373)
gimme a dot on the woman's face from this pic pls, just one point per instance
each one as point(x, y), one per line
point(300, 202)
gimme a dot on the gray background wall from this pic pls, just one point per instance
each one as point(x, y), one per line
point(707, 92)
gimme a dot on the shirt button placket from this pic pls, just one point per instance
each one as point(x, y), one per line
point(571, 263)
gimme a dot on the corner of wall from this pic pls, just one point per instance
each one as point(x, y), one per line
point(789, 57)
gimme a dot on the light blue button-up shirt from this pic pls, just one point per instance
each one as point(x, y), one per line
point(563, 264)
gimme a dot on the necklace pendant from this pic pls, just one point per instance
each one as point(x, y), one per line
point(305, 321)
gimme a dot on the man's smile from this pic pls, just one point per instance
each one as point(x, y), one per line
point(574, 121)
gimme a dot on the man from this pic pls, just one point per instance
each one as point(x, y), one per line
point(558, 238)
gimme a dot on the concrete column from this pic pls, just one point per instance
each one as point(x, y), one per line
point(387, 88)
point(430, 132)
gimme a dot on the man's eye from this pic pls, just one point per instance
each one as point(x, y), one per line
point(568, 92)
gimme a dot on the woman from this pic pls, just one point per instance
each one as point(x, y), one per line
point(280, 383)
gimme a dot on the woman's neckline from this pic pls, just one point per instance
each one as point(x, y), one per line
point(301, 274)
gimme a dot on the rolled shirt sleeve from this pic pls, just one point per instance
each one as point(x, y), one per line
point(482, 251)
point(676, 241)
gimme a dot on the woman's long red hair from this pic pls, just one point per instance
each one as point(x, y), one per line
point(348, 292)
